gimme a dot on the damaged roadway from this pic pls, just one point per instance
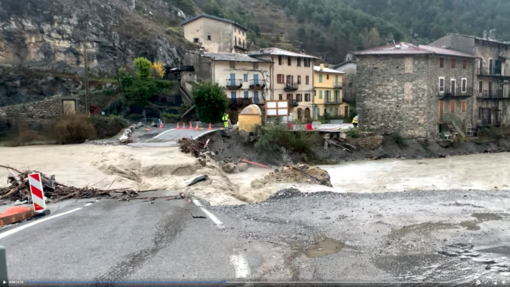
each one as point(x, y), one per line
point(418, 236)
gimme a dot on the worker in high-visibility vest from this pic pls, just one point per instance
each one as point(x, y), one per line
point(355, 121)
point(225, 120)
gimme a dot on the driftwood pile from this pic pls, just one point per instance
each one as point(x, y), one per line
point(19, 189)
point(191, 146)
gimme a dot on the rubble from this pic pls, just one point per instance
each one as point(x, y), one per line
point(127, 136)
point(188, 145)
point(300, 173)
point(19, 189)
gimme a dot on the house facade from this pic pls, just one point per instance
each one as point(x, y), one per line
point(328, 96)
point(419, 91)
point(291, 78)
point(349, 80)
point(491, 74)
point(215, 34)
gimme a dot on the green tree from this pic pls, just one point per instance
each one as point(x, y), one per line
point(143, 68)
point(140, 93)
point(210, 102)
point(371, 38)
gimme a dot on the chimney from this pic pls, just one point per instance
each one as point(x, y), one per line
point(322, 67)
point(485, 34)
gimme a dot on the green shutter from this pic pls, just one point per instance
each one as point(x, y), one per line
point(320, 78)
point(320, 94)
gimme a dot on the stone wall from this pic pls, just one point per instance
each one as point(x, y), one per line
point(401, 93)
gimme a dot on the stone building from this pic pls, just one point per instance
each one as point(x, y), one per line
point(348, 67)
point(216, 34)
point(419, 91)
point(491, 74)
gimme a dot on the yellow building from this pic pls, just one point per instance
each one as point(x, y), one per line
point(328, 93)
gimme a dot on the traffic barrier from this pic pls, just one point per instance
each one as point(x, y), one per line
point(36, 188)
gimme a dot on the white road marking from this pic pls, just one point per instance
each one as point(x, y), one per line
point(240, 265)
point(163, 133)
point(88, 204)
point(203, 134)
point(12, 231)
point(209, 214)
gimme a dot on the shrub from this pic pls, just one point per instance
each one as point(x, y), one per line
point(22, 134)
point(210, 102)
point(399, 139)
point(171, 117)
point(74, 129)
point(107, 126)
point(159, 69)
point(492, 133)
point(353, 133)
point(273, 138)
point(143, 68)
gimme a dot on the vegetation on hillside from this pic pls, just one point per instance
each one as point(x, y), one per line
point(335, 27)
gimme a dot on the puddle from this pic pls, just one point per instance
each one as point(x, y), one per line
point(482, 217)
point(320, 248)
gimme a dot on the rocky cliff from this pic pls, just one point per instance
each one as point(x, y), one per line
point(54, 35)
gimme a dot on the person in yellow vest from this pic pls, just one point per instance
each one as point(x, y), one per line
point(355, 121)
point(225, 120)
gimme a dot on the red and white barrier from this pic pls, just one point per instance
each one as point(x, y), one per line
point(36, 188)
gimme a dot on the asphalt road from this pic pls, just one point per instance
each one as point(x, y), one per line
point(398, 237)
point(167, 136)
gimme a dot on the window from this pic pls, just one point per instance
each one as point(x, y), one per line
point(209, 37)
point(464, 85)
point(290, 79)
point(299, 97)
point(453, 64)
point(255, 66)
point(280, 79)
point(307, 97)
point(306, 62)
point(299, 80)
point(453, 86)
point(280, 60)
point(464, 64)
point(246, 94)
point(320, 94)
point(490, 66)
point(245, 77)
point(289, 97)
point(463, 106)
point(232, 65)
point(480, 68)
point(441, 62)
point(320, 78)
point(441, 85)
point(480, 86)
point(299, 62)
point(452, 107)
point(337, 96)
point(196, 40)
point(307, 80)
point(233, 95)
point(327, 76)
point(235, 41)
point(289, 61)
point(280, 97)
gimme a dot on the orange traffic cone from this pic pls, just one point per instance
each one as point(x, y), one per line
point(161, 126)
point(196, 128)
point(190, 126)
point(177, 125)
point(210, 127)
point(183, 126)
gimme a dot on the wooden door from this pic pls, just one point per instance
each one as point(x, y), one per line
point(441, 108)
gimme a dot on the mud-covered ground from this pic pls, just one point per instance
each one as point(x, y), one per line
point(419, 236)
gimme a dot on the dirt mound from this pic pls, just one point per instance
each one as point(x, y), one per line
point(188, 145)
point(300, 173)
point(368, 142)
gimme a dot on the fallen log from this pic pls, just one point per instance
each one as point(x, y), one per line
point(254, 163)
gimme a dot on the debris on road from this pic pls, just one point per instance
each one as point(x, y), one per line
point(19, 189)
point(254, 163)
point(127, 136)
point(191, 146)
point(300, 173)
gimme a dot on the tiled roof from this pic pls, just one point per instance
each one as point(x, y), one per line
point(326, 70)
point(232, 57)
point(410, 49)
point(214, 18)
point(280, 52)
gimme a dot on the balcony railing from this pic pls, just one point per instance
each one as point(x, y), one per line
point(493, 73)
point(456, 93)
point(291, 87)
point(240, 102)
point(338, 86)
point(333, 101)
point(233, 84)
point(495, 94)
point(293, 103)
point(257, 84)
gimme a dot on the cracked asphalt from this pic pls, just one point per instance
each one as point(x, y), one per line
point(432, 237)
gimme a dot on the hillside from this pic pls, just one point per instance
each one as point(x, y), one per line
point(337, 26)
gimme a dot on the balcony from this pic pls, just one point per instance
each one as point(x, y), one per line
point(293, 103)
point(333, 101)
point(493, 95)
point(240, 102)
point(456, 93)
point(257, 84)
point(338, 86)
point(233, 84)
point(291, 87)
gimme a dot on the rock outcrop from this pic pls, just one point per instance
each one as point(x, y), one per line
point(53, 35)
